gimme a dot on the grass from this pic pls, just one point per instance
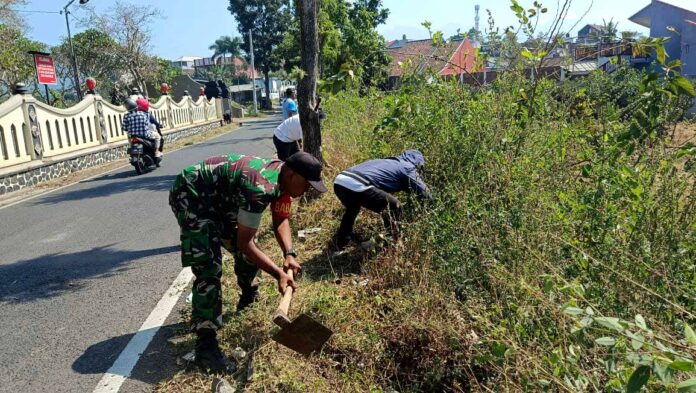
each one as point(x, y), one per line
point(556, 256)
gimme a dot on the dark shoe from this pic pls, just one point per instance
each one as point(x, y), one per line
point(246, 301)
point(157, 161)
point(209, 357)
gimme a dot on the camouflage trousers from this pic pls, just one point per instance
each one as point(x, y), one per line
point(203, 234)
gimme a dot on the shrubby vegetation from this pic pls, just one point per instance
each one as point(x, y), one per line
point(566, 240)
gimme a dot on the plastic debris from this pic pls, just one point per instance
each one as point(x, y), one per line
point(238, 354)
point(302, 234)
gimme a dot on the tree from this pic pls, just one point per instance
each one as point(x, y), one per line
point(348, 39)
point(95, 52)
point(307, 88)
point(267, 20)
point(610, 30)
point(8, 15)
point(128, 25)
point(226, 45)
point(16, 64)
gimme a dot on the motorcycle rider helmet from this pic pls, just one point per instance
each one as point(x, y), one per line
point(130, 104)
point(143, 104)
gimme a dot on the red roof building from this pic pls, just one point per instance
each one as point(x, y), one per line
point(455, 57)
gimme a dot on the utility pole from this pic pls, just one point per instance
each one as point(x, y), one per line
point(253, 71)
point(72, 49)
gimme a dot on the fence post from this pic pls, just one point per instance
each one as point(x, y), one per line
point(99, 122)
point(170, 116)
point(190, 109)
point(30, 128)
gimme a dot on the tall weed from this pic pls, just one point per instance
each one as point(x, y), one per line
point(566, 241)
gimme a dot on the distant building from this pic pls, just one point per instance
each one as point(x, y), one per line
point(675, 19)
point(241, 67)
point(455, 57)
point(185, 63)
point(590, 33)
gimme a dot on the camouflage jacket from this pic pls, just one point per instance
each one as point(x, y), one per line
point(235, 186)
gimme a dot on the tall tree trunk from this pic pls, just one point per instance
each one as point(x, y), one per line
point(307, 88)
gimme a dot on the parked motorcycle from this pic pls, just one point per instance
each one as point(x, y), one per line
point(142, 155)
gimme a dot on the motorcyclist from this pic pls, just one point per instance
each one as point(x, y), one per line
point(144, 106)
point(137, 124)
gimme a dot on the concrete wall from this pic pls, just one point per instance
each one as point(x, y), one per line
point(34, 135)
point(663, 16)
point(31, 130)
point(37, 172)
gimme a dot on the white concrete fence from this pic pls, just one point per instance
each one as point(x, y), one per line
point(31, 130)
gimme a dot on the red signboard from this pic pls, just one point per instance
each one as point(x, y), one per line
point(45, 71)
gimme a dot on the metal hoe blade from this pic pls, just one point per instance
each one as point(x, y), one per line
point(303, 335)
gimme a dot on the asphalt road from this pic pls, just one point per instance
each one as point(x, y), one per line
point(82, 268)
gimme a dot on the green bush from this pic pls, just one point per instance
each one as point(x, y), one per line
point(559, 234)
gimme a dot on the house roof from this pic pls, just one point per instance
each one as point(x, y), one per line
point(451, 58)
point(462, 60)
point(415, 51)
point(642, 17)
point(188, 58)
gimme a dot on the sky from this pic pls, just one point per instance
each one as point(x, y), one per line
point(189, 27)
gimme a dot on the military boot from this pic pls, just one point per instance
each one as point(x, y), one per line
point(209, 357)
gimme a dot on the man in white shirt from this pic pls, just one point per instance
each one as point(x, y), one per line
point(287, 138)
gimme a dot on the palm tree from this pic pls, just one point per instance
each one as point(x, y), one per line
point(611, 30)
point(227, 45)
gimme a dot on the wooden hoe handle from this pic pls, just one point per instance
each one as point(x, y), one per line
point(280, 317)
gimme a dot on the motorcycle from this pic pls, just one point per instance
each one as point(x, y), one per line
point(142, 155)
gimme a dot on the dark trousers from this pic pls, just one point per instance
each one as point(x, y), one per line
point(373, 199)
point(285, 149)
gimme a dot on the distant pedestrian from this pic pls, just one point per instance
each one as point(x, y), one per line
point(289, 105)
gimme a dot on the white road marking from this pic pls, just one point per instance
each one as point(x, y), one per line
point(123, 366)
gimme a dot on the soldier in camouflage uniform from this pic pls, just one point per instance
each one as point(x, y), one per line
point(219, 203)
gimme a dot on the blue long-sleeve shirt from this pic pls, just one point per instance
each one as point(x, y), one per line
point(395, 174)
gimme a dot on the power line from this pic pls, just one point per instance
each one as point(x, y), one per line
point(35, 11)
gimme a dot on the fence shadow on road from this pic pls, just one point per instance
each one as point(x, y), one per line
point(54, 274)
point(157, 363)
point(105, 186)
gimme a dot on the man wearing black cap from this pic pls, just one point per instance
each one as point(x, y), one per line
point(219, 202)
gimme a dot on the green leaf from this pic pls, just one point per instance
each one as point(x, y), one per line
point(572, 310)
point(526, 54)
point(637, 342)
point(606, 341)
point(687, 386)
point(610, 322)
point(682, 365)
point(638, 379)
point(640, 322)
point(661, 54)
point(663, 371)
point(689, 334)
point(684, 85)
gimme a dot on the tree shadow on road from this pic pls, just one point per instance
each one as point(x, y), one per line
point(106, 186)
point(157, 363)
point(54, 274)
